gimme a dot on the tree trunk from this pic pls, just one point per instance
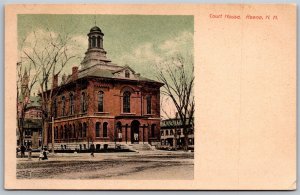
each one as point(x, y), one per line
point(186, 141)
point(45, 134)
point(21, 131)
point(21, 137)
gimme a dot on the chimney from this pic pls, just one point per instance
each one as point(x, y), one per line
point(74, 72)
point(55, 81)
point(63, 78)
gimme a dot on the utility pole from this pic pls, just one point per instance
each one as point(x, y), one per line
point(176, 129)
point(52, 135)
point(115, 135)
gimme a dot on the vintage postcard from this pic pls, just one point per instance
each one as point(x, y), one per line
point(147, 97)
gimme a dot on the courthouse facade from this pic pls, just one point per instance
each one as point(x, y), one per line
point(103, 103)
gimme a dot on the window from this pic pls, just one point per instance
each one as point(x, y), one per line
point(56, 133)
point(84, 130)
point(61, 132)
point(149, 104)
point(167, 132)
point(71, 104)
point(127, 73)
point(63, 107)
point(101, 42)
point(54, 107)
point(153, 130)
point(179, 132)
point(74, 131)
point(105, 129)
point(161, 133)
point(70, 132)
point(93, 41)
point(171, 132)
point(28, 132)
point(83, 102)
point(98, 42)
point(97, 129)
point(80, 130)
point(100, 101)
point(65, 132)
point(126, 102)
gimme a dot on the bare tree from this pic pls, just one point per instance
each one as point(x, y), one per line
point(48, 55)
point(178, 82)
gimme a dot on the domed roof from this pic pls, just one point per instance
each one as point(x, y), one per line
point(95, 28)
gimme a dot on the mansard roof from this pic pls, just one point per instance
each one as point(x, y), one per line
point(109, 72)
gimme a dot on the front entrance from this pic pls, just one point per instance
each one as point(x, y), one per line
point(135, 126)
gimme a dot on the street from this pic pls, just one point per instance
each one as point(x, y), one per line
point(129, 165)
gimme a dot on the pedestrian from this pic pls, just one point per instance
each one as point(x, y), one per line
point(45, 157)
point(23, 149)
point(41, 155)
point(92, 148)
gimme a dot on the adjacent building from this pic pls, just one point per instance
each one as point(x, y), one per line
point(33, 123)
point(32, 118)
point(171, 133)
point(104, 103)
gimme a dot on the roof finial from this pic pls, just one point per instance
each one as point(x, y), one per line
point(95, 20)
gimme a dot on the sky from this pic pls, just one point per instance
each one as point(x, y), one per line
point(143, 42)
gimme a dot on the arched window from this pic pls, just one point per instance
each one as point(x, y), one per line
point(55, 133)
point(105, 129)
point(149, 104)
point(100, 101)
point(54, 109)
point(83, 102)
point(93, 41)
point(65, 132)
point(153, 126)
point(84, 130)
point(70, 132)
point(80, 130)
point(74, 131)
point(61, 132)
point(63, 105)
point(119, 130)
point(127, 73)
point(126, 102)
point(101, 42)
point(98, 42)
point(97, 129)
point(71, 104)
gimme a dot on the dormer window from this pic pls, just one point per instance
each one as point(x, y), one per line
point(127, 73)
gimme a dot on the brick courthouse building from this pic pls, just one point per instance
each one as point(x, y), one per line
point(103, 103)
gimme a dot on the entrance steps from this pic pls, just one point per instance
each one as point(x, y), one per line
point(140, 147)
